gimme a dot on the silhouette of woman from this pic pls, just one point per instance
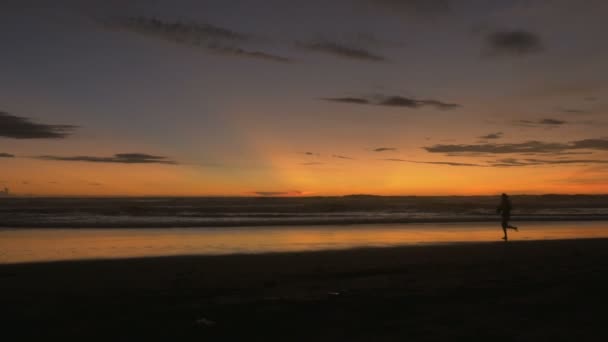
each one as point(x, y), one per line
point(504, 209)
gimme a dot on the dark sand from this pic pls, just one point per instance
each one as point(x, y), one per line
point(516, 291)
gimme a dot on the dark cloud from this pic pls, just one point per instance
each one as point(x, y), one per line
point(525, 147)
point(121, 158)
point(591, 98)
point(512, 43)
point(400, 101)
point(591, 144)
point(511, 162)
point(16, 127)
point(551, 122)
point(575, 111)
point(277, 193)
point(556, 154)
point(308, 153)
point(447, 163)
point(7, 155)
point(507, 162)
point(312, 163)
point(355, 100)
point(213, 38)
point(469, 154)
point(341, 50)
point(178, 32)
point(530, 146)
point(342, 157)
point(433, 162)
point(541, 122)
point(239, 52)
point(496, 135)
point(384, 149)
point(394, 101)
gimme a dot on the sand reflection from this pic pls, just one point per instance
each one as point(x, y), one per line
point(25, 245)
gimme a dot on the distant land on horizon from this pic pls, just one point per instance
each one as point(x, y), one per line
point(350, 196)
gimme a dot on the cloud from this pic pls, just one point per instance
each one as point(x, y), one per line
point(508, 162)
point(342, 157)
point(575, 111)
point(512, 43)
point(433, 162)
point(238, 52)
point(525, 147)
point(541, 122)
point(394, 101)
point(312, 163)
point(469, 154)
point(511, 162)
point(16, 127)
point(496, 135)
point(591, 144)
point(384, 149)
point(7, 155)
point(355, 100)
point(400, 101)
point(178, 32)
point(556, 153)
point(308, 153)
point(551, 122)
point(213, 38)
point(341, 50)
point(121, 158)
point(277, 193)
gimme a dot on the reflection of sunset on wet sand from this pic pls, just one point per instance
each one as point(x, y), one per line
point(65, 244)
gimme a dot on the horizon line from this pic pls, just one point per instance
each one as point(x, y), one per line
point(291, 196)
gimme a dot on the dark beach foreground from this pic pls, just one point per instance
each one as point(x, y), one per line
point(516, 291)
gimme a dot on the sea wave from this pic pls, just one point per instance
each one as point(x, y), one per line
point(224, 211)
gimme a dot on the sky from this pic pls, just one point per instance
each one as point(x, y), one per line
point(303, 98)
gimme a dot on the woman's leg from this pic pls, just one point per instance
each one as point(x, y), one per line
point(506, 219)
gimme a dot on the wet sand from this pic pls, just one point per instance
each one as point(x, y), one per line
point(516, 291)
point(49, 244)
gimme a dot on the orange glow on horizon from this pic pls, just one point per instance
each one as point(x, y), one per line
point(286, 176)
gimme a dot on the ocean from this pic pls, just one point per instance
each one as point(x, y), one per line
point(26, 212)
point(53, 229)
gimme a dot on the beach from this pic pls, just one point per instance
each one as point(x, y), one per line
point(515, 291)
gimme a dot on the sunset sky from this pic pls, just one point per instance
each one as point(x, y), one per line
point(303, 97)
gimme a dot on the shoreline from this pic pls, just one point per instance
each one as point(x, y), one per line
point(519, 290)
point(355, 250)
point(353, 222)
point(18, 245)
